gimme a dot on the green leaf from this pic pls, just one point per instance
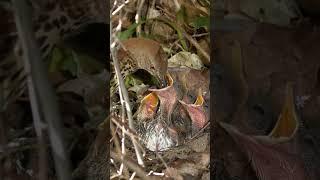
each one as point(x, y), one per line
point(62, 60)
point(129, 32)
point(201, 22)
point(56, 60)
point(181, 15)
point(70, 66)
point(132, 80)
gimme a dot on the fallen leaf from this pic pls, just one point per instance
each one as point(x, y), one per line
point(193, 165)
point(139, 89)
point(185, 59)
point(153, 13)
point(199, 144)
point(173, 173)
point(205, 45)
point(162, 32)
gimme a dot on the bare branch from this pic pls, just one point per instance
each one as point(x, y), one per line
point(124, 94)
point(43, 101)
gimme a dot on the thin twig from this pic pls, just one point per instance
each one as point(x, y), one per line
point(123, 116)
point(127, 105)
point(200, 131)
point(201, 50)
point(119, 8)
point(200, 35)
point(42, 99)
point(138, 17)
point(115, 139)
point(125, 96)
point(129, 133)
point(131, 165)
point(118, 149)
point(162, 160)
point(126, 131)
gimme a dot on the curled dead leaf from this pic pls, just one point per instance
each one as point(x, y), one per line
point(186, 59)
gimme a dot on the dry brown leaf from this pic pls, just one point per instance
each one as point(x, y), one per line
point(173, 173)
point(205, 44)
point(193, 166)
point(161, 31)
point(193, 11)
point(186, 59)
point(200, 144)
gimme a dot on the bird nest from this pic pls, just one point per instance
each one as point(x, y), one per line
point(159, 128)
